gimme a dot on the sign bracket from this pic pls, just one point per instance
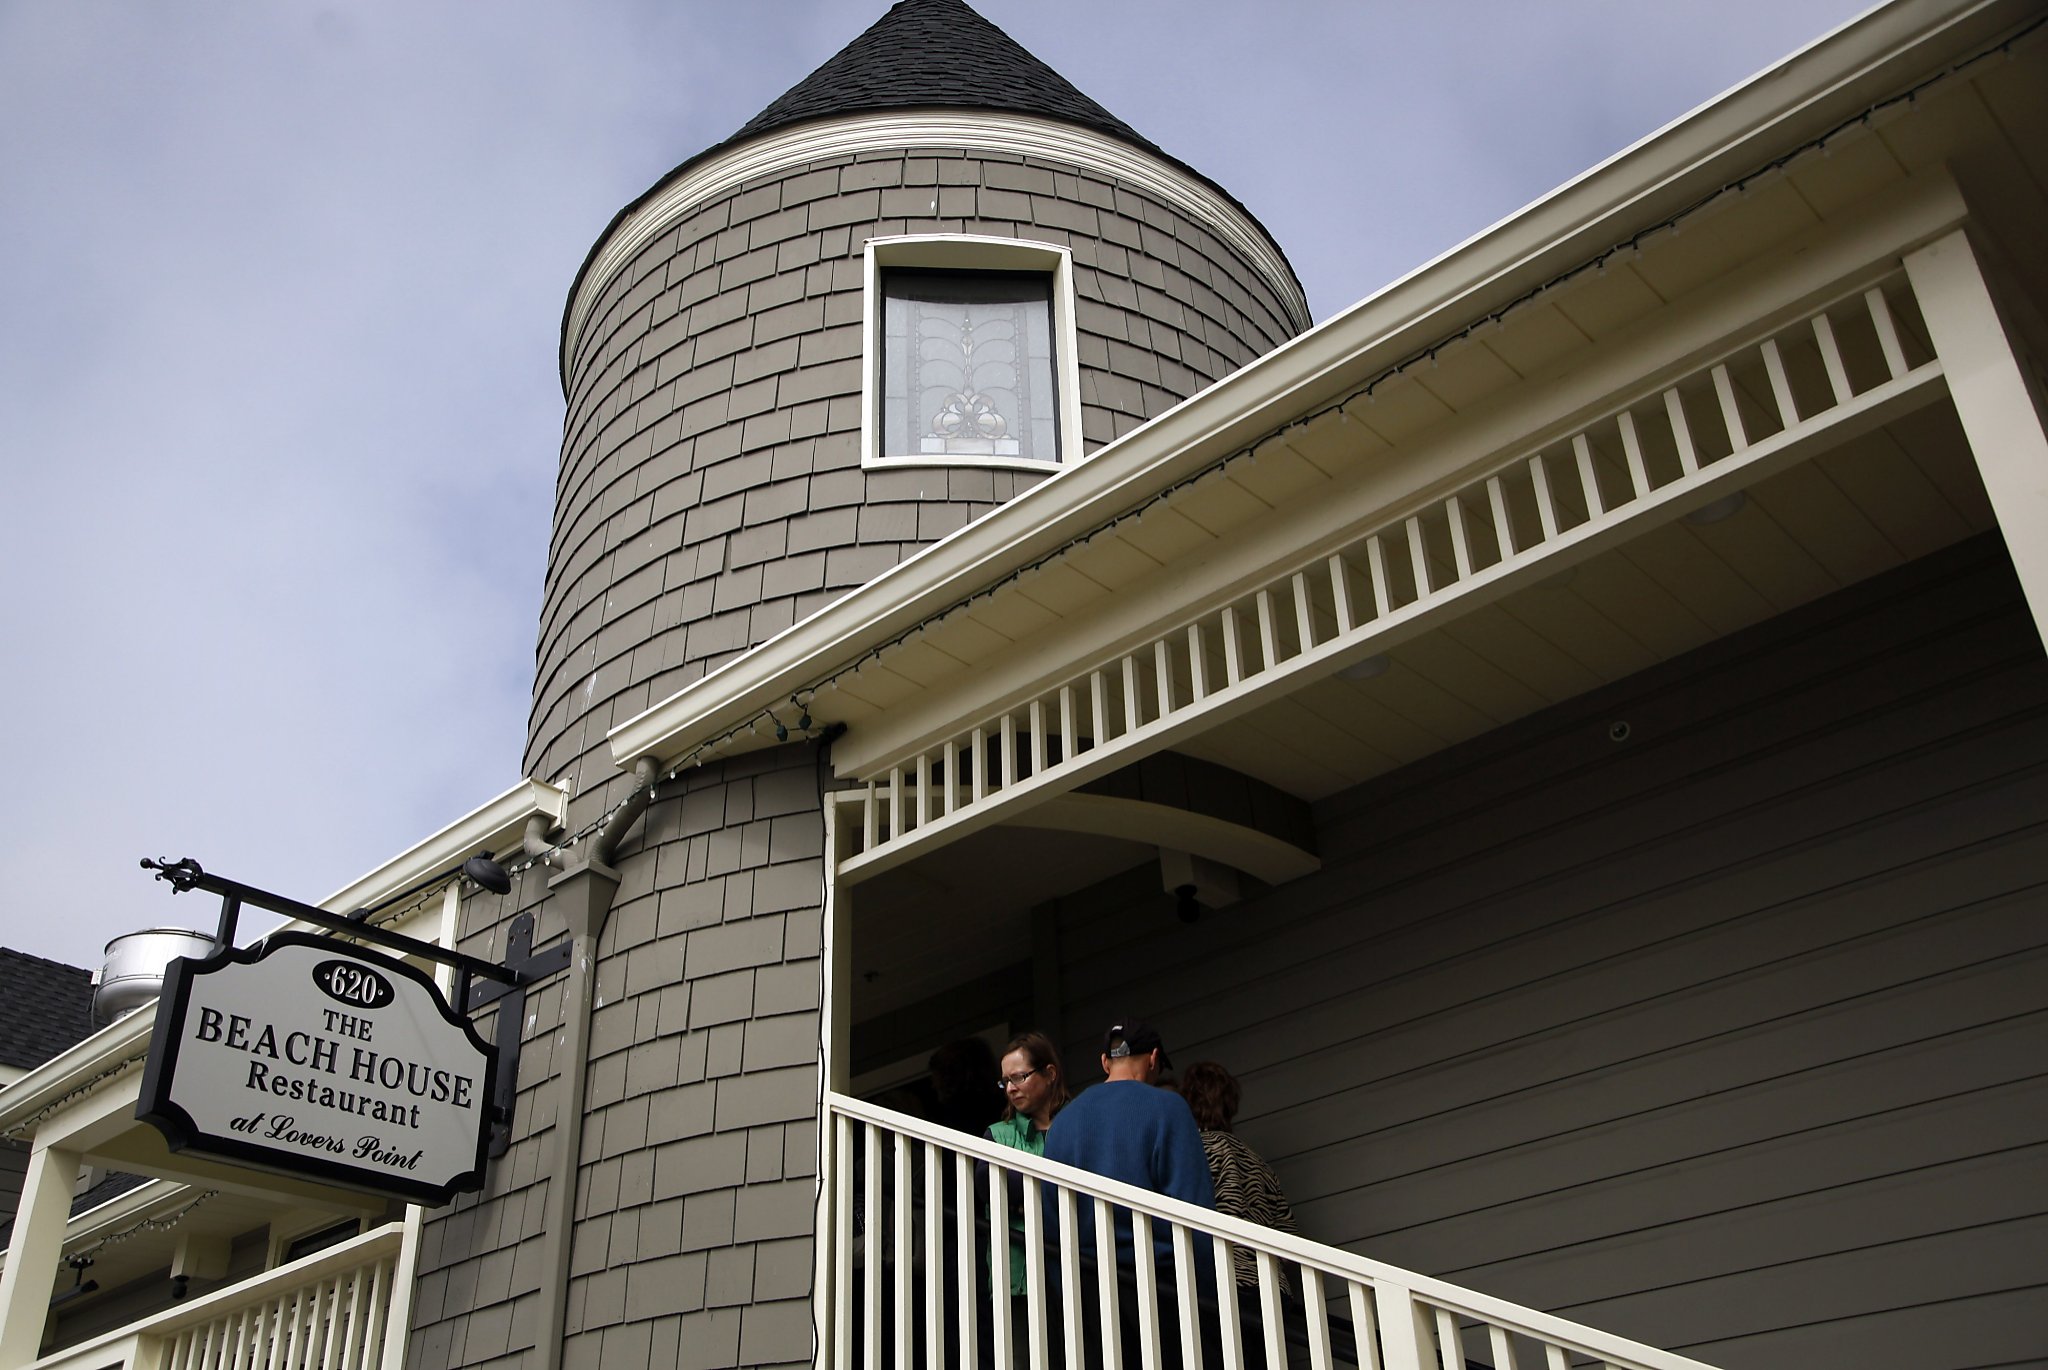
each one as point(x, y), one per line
point(507, 980)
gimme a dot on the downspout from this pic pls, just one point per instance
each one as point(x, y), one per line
point(583, 893)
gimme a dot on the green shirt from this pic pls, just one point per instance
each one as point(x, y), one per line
point(1023, 1134)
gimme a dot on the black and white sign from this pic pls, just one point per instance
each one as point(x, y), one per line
point(317, 1058)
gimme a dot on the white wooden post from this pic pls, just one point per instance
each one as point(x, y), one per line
point(1405, 1340)
point(2000, 406)
point(36, 1248)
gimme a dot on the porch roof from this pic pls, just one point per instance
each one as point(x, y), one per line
point(1450, 349)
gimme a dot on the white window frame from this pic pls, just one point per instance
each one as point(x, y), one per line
point(968, 252)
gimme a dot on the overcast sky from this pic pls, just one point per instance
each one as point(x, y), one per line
point(280, 287)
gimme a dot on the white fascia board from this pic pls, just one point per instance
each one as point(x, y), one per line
point(114, 1045)
point(497, 825)
point(1808, 94)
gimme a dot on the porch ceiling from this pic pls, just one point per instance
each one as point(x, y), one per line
point(1879, 501)
point(1890, 496)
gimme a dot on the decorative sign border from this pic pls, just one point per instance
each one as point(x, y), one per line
point(184, 1133)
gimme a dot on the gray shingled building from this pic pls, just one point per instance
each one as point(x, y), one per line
point(1569, 731)
point(713, 491)
point(1477, 723)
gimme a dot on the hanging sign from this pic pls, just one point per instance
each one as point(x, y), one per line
point(316, 1058)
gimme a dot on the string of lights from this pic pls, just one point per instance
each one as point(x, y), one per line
point(1620, 252)
point(30, 1123)
point(159, 1224)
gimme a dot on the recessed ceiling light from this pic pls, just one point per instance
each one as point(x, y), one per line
point(1726, 507)
point(1366, 669)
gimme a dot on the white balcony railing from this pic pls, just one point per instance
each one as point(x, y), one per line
point(910, 1209)
point(328, 1311)
point(1764, 405)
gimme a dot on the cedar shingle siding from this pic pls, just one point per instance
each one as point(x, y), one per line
point(711, 495)
point(711, 492)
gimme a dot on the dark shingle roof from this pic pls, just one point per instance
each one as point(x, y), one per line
point(49, 1008)
point(936, 52)
point(933, 54)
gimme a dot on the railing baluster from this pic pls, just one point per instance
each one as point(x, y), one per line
point(1887, 332)
point(1233, 648)
point(1582, 453)
point(1546, 508)
point(979, 739)
point(935, 1255)
point(1037, 726)
point(335, 1328)
point(1070, 742)
point(903, 1239)
point(1681, 433)
point(966, 1278)
point(1034, 1272)
point(1098, 707)
point(923, 808)
point(873, 1265)
point(1000, 1278)
point(1229, 1334)
point(380, 1297)
point(292, 1357)
point(1503, 1346)
point(1130, 694)
point(1198, 665)
point(1185, 1302)
point(1162, 677)
point(952, 775)
point(1269, 644)
point(1461, 551)
point(867, 819)
point(263, 1340)
point(1105, 1287)
point(1781, 383)
point(1503, 526)
point(1147, 1262)
point(1318, 1318)
point(1340, 596)
point(1269, 1311)
point(1376, 565)
point(352, 1353)
point(1731, 413)
point(245, 1334)
point(1632, 449)
point(1556, 1358)
point(1418, 558)
point(1450, 1350)
point(1304, 617)
point(1831, 358)
point(842, 1243)
point(1071, 1311)
point(895, 802)
point(1365, 1326)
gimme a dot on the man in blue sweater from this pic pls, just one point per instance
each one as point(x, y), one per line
point(1127, 1129)
point(1130, 1130)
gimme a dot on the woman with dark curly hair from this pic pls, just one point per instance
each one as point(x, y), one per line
point(1245, 1185)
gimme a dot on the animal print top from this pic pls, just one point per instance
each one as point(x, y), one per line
point(1246, 1188)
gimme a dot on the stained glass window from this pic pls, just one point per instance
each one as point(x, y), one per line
point(967, 365)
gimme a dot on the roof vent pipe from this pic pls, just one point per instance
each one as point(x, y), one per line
point(133, 973)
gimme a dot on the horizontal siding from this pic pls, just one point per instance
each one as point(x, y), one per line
point(1731, 1037)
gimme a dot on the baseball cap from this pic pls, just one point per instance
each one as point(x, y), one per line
point(1133, 1038)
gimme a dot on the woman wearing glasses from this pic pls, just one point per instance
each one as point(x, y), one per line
point(1035, 1089)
